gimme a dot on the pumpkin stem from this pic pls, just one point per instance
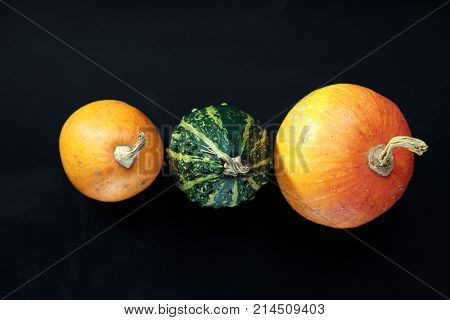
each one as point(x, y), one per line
point(233, 166)
point(125, 155)
point(381, 159)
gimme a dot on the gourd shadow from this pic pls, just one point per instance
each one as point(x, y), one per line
point(321, 246)
point(112, 212)
point(265, 231)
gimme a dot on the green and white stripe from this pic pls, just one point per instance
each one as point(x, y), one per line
point(201, 137)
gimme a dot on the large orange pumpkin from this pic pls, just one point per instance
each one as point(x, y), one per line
point(336, 156)
point(110, 150)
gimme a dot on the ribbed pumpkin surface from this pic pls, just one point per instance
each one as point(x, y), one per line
point(321, 155)
point(195, 156)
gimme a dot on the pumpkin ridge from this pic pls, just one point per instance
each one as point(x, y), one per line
point(260, 142)
point(221, 191)
point(261, 163)
point(200, 135)
point(213, 114)
point(233, 120)
point(212, 196)
point(187, 157)
point(191, 183)
point(248, 122)
point(253, 183)
point(234, 196)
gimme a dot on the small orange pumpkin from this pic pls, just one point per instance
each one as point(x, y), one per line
point(336, 156)
point(110, 150)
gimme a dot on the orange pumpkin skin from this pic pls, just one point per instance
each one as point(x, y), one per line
point(87, 143)
point(321, 156)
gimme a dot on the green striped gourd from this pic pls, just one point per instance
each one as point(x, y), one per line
point(220, 156)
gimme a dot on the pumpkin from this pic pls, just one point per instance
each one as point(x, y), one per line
point(110, 150)
point(219, 155)
point(343, 155)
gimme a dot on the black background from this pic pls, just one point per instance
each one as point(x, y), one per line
point(260, 56)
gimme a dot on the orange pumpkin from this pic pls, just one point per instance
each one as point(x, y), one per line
point(336, 156)
point(110, 150)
